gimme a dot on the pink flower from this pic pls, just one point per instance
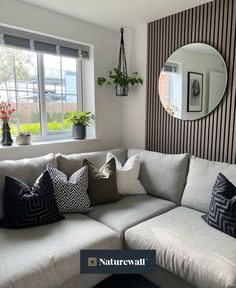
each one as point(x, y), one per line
point(6, 110)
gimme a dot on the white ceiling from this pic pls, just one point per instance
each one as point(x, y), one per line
point(117, 13)
point(202, 48)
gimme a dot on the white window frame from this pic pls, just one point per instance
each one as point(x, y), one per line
point(45, 133)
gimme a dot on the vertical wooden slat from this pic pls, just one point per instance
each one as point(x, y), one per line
point(212, 137)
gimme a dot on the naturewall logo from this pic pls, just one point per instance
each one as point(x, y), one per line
point(92, 261)
point(117, 261)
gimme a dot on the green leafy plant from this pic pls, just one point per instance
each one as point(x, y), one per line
point(80, 118)
point(115, 76)
point(23, 133)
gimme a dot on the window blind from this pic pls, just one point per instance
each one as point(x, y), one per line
point(41, 43)
point(170, 67)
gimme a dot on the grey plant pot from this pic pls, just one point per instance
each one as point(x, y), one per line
point(79, 131)
point(122, 90)
point(23, 140)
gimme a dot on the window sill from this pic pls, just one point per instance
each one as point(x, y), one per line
point(52, 142)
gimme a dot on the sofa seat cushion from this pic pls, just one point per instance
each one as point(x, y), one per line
point(130, 211)
point(188, 247)
point(49, 256)
point(163, 175)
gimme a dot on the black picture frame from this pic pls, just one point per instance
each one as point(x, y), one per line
point(195, 92)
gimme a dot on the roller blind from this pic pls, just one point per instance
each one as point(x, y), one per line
point(41, 43)
point(170, 67)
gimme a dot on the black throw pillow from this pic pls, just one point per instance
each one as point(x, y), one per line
point(222, 211)
point(27, 207)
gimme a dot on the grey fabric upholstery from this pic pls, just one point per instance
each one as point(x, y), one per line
point(68, 164)
point(130, 211)
point(165, 279)
point(201, 179)
point(27, 170)
point(49, 256)
point(163, 175)
point(188, 247)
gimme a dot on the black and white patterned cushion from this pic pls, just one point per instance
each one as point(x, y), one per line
point(222, 212)
point(71, 194)
point(26, 207)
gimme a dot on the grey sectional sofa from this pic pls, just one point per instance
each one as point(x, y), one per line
point(189, 252)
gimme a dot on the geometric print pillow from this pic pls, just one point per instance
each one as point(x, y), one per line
point(27, 207)
point(71, 194)
point(222, 211)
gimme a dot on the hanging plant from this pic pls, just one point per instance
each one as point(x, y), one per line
point(119, 76)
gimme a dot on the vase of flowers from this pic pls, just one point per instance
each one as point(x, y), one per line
point(6, 112)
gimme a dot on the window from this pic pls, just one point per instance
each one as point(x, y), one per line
point(170, 86)
point(44, 88)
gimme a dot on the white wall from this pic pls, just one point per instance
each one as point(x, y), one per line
point(106, 47)
point(134, 106)
point(200, 63)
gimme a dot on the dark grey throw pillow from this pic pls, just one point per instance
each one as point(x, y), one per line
point(26, 207)
point(222, 211)
point(102, 183)
point(71, 194)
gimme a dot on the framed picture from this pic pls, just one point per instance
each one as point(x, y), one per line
point(195, 91)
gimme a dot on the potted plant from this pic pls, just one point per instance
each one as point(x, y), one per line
point(79, 120)
point(23, 138)
point(6, 112)
point(120, 80)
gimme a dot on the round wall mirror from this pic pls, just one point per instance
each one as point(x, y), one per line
point(192, 82)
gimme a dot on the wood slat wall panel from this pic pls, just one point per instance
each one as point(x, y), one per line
point(212, 137)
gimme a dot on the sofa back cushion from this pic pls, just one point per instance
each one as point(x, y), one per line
point(163, 175)
point(201, 179)
point(68, 164)
point(26, 170)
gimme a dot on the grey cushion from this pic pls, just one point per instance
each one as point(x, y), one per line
point(68, 164)
point(163, 175)
point(27, 170)
point(201, 179)
point(130, 211)
point(48, 256)
point(188, 247)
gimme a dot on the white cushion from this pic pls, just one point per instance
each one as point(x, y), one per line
point(127, 176)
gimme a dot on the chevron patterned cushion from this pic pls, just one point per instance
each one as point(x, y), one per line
point(26, 207)
point(222, 212)
point(71, 194)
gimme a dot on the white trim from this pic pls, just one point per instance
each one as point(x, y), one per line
point(51, 142)
point(42, 98)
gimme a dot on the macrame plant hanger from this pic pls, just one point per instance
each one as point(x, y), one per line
point(122, 90)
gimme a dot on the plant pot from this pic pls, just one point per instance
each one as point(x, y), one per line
point(122, 90)
point(6, 135)
point(79, 131)
point(23, 140)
